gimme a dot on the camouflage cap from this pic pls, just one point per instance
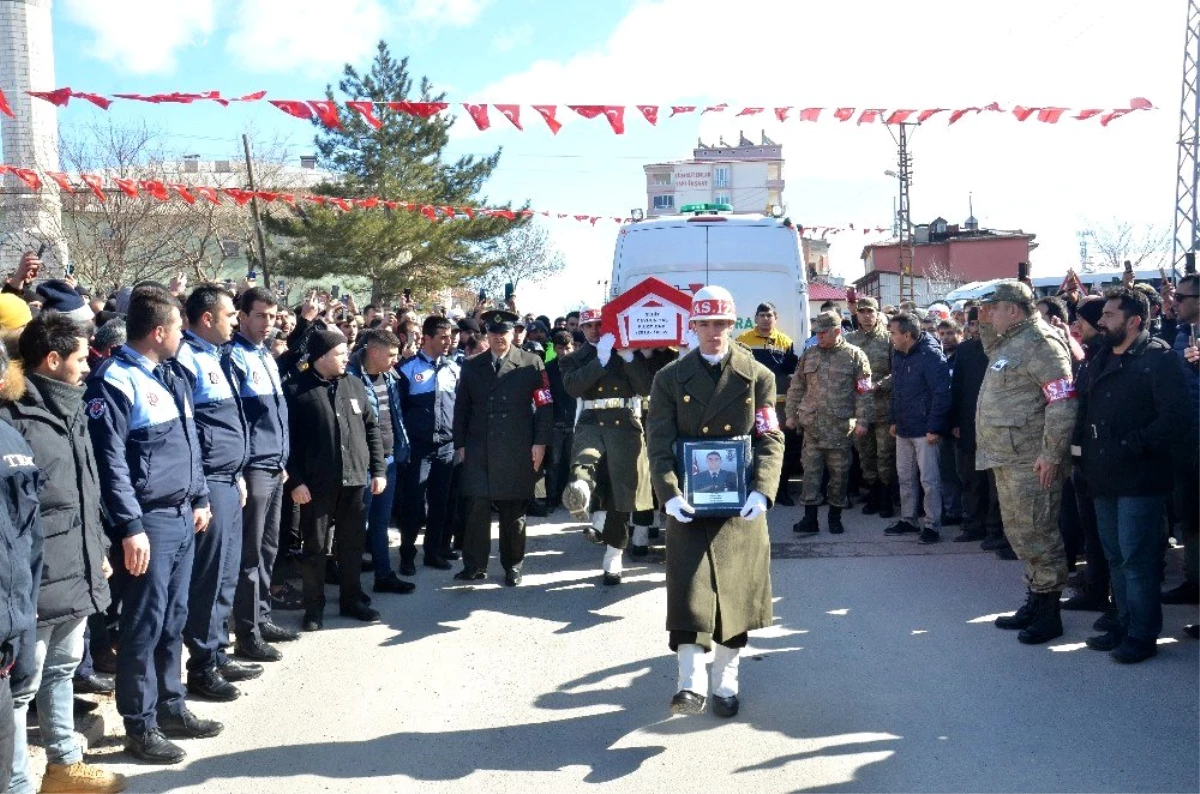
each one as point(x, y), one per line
point(1010, 291)
point(867, 303)
point(827, 320)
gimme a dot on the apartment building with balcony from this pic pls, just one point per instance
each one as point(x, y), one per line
point(748, 176)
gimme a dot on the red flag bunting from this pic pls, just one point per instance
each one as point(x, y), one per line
point(59, 97)
point(470, 213)
point(342, 204)
point(27, 176)
point(650, 112)
point(928, 114)
point(266, 196)
point(95, 99)
point(1141, 103)
point(183, 193)
point(238, 195)
point(677, 109)
point(208, 193)
point(368, 203)
point(127, 186)
point(512, 113)
point(293, 108)
point(478, 114)
point(750, 111)
point(810, 114)
point(715, 108)
point(155, 188)
point(61, 179)
point(870, 116)
point(547, 113)
point(1050, 115)
point(994, 107)
point(95, 183)
point(958, 114)
point(1113, 115)
point(448, 211)
point(367, 111)
point(899, 116)
point(421, 109)
point(1022, 112)
point(429, 212)
point(257, 95)
point(1088, 113)
point(4, 106)
point(327, 112)
point(782, 113)
point(843, 114)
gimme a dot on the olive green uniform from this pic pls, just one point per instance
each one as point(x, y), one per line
point(877, 449)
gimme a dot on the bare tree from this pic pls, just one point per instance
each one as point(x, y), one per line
point(1112, 243)
point(942, 279)
point(523, 255)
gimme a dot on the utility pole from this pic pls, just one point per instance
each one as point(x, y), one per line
point(1186, 223)
point(258, 229)
point(904, 218)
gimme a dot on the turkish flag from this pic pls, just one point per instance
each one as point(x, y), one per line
point(714, 109)
point(60, 97)
point(429, 212)
point(238, 195)
point(368, 203)
point(810, 114)
point(155, 188)
point(843, 114)
point(95, 99)
point(1051, 115)
point(342, 204)
point(928, 114)
point(468, 211)
point(327, 112)
point(512, 113)
point(367, 111)
point(266, 196)
point(27, 176)
point(4, 106)
point(61, 179)
point(208, 193)
point(650, 112)
point(782, 113)
point(95, 183)
point(547, 113)
point(1087, 114)
point(257, 95)
point(127, 186)
point(899, 116)
point(1022, 112)
point(1113, 115)
point(293, 108)
point(1141, 103)
point(421, 109)
point(183, 193)
point(677, 109)
point(869, 116)
point(958, 114)
point(750, 111)
point(479, 115)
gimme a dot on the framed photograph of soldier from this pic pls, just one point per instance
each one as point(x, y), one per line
point(715, 474)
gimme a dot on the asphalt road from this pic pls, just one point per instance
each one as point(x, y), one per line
point(882, 673)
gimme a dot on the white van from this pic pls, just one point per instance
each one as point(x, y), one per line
point(757, 258)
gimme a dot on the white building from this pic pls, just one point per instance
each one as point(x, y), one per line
point(748, 176)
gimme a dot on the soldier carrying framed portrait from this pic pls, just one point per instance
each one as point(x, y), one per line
point(715, 474)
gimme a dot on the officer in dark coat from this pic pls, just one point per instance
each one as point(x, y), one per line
point(503, 418)
point(718, 569)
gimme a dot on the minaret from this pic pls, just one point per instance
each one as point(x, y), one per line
point(31, 139)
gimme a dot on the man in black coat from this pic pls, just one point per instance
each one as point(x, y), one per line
point(1133, 407)
point(336, 451)
point(503, 419)
point(50, 416)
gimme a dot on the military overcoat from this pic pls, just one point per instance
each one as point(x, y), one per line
point(498, 417)
point(716, 565)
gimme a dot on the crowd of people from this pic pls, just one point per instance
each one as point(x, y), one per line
point(183, 464)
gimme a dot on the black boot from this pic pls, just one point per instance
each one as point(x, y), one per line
point(835, 521)
point(871, 505)
point(886, 508)
point(1022, 619)
point(1047, 621)
point(808, 524)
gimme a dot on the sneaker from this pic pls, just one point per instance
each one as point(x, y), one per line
point(901, 527)
point(81, 777)
point(930, 535)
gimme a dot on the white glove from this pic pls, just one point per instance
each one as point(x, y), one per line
point(626, 354)
point(690, 341)
point(678, 509)
point(604, 348)
point(756, 505)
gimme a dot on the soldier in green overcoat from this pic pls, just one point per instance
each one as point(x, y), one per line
point(718, 569)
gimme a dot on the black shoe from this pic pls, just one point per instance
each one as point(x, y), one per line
point(654, 533)
point(359, 612)
point(364, 599)
point(1108, 622)
point(470, 575)
point(784, 498)
point(105, 661)
point(1086, 602)
point(611, 579)
point(687, 702)
point(1006, 553)
point(272, 633)
point(1192, 630)
point(512, 577)
point(725, 707)
point(314, 620)
point(807, 525)
point(187, 725)
point(970, 536)
point(871, 504)
point(1109, 641)
point(929, 535)
point(211, 685)
point(408, 568)
point(435, 561)
point(256, 650)
point(93, 684)
point(886, 508)
point(289, 598)
point(901, 527)
point(1134, 650)
point(835, 521)
point(80, 707)
point(1047, 621)
point(234, 671)
point(538, 509)
point(1021, 618)
point(367, 565)
point(1186, 593)
point(393, 584)
point(450, 554)
point(952, 521)
point(154, 748)
point(993, 544)
point(639, 551)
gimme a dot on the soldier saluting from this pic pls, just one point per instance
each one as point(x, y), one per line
point(718, 569)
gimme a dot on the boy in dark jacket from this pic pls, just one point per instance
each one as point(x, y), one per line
point(50, 416)
point(920, 408)
point(336, 451)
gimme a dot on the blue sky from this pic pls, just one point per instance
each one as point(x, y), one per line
point(1050, 180)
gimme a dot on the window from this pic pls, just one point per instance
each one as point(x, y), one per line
point(661, 179)
point(664, 202)
point(722, 198)
point(774, 199)
point(223, 166)
point(721, 176)
point(773, 172)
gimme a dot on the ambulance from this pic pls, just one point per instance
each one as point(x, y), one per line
point(756, 257)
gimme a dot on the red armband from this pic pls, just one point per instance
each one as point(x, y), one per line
point(542, 395)
point(765, 420)
point(1058, 390)
point(863, 385)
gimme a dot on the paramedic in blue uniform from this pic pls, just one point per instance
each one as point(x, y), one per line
point(266, 416)
point(206, 362)
point(156, 499)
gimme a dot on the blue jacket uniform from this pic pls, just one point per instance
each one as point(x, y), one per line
point(220, 423)
point(400, 446)
point(144, 435)
point(263, 406)
point(427, 389)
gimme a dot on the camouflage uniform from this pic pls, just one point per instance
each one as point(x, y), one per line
point(1026, 412)
point(877, 449)
point(831, 387)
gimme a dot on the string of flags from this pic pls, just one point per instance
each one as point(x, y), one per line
point(162, 190)
point(330, 113)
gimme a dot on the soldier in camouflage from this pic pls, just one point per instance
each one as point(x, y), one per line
point(832, 386)
point(876, 447)
point(1024, 420)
